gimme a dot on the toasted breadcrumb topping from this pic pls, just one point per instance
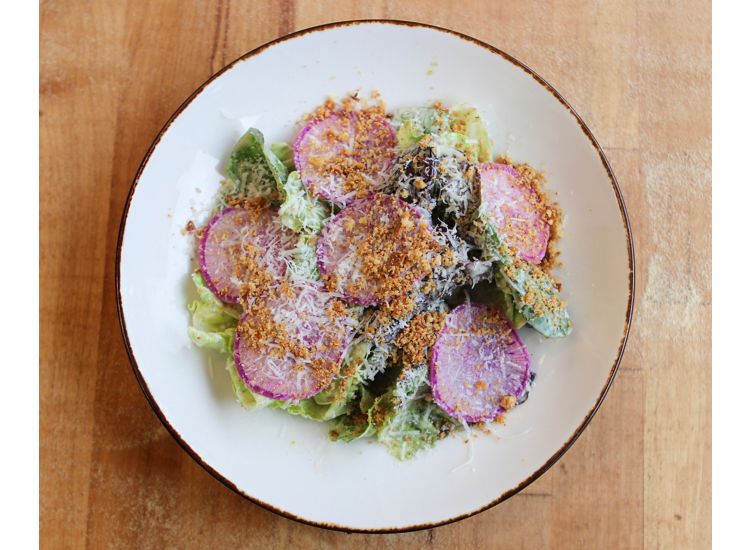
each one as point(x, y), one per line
point(415, 341)
point(392, 252)
point(507, 402)
point(438, 106)
point(348, 369)
point(399, 307)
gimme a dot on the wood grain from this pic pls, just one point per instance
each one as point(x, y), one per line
point(111, 74)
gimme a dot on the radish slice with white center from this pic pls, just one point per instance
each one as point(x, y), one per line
point(513, 209)
point(243, 247)
point(479, 366)
point(289, 345)
point(376, 249)
point(345, 155)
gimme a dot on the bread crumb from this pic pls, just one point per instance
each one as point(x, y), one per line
point(507, 402)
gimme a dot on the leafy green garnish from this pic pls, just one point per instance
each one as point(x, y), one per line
point(209, 314)
point(413, 124)
point(462, 128)
point(299, 212)
point(213, 327)
point(404, 418)
point(253, 171)
point(285, 154)
point(415, 426)
point(304, 259)
point(468, 122)
point(507, 304)
point(221, 341)
point(536, 297)
point(356, 424)
point(312, 410)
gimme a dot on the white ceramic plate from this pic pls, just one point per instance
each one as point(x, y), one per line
point(288, 464)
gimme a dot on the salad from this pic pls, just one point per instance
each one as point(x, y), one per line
point(374, 274)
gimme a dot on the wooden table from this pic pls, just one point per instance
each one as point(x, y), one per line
point(638, 72)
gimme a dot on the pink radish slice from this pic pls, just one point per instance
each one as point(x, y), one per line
point(477, 360)
point(355, 147)
point(380, 228)
point(301, 318)
point(236, 238)
point(511, 209)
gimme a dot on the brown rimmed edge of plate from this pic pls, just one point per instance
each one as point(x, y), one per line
point(631, 277)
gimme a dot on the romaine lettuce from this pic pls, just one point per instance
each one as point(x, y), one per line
point(415, 123)
point(406, 419)
point(285, 154)
point(209, 314)
point(537, 298)
point(221, 341)
point(299, 212)
point(460, 128)
point(213, 327)
point(413, 427)
point(253, 171)
point(356, 424)
point(468, 122)
point(304, 259)
point(507, 304)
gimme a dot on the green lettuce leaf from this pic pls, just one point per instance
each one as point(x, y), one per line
point(213, 327)
point(209, 314)
point(507, 304)
point(477, 139)
point(221, 341)
point(461, 128)
point(299, 212)
point(253, 171)
point(537, 298)
point(306, 216)
point(308, 408)
point(285, 154)
point(414, 123)
point(356, 424)
point(416, 426)
point(304, 259)
point(405, 417)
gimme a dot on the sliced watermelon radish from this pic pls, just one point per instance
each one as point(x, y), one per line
point(479, 364)
point(289, 345)
point(345, 155)
point(243, 246)
point(513, 210)
point(376, 249)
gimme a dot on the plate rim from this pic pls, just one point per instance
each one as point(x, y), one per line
point(549, 462)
